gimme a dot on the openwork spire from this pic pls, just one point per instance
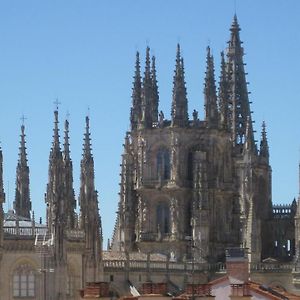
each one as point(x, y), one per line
point(239, 102)
point(264, 147)
point(179, 110)
point(224, 95)
point(68, 173)
point(22, 203)
point(211, 108)
point(135, 114)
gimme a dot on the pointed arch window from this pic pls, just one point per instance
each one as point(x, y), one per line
point(163, 164)
point(163, 218)
point(24, 281)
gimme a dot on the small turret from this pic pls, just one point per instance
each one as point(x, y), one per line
point(211, 108)
point(22, 203)
point(179, 110)
point(264, 147)
point(250, 146)
point(135, 114)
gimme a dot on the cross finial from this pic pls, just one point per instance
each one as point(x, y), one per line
point(67, 115)
point(56, 103)
point(23, 118)
point(88, 111)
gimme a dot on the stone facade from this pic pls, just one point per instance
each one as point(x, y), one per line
point(190, 188)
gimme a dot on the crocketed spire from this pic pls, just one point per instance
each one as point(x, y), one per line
point(55, 195)
point(90, 218)
point(211, 108)
point(22, 203)
point(179, 110)
point(147, 94)
point(68, 172)
point(135, 114)
point(155, 94)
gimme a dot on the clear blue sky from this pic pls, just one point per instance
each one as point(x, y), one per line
point(83, 52)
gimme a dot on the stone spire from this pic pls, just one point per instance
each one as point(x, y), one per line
point(179, 110)
point(211, 107)
point(264, 147)
point(147, 94)
point(55, 187)
point(90, 218)
point(155, 94)
point(239, 102)
point(22, 203)
point(135, 114)
point(223, 95)
point(2, 200)
point(68, 172)
point(56, 211)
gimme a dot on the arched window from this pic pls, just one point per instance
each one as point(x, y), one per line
point(24, 281)
point(163, 164)
point(163, 218)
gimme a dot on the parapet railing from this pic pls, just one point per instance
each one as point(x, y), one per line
point(196, 267)
point(272, 267)
point(23, 231)
point(13, 231)
point(163, 266)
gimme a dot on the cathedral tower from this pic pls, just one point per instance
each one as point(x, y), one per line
point(192, 181)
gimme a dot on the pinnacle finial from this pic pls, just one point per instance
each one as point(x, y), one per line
point(56, 145)
point(264, 147)
point(135, 114)
point(66, 141)
point(235, 25)
point(87, 140)
point(211, 109)
point(179, 111)
point(22, 153)
point(147, 63)
point(155, 97)
point(223, 95)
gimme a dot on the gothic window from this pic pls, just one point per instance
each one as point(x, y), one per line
point(24, 281)
point(163, 218)
point(163, 164)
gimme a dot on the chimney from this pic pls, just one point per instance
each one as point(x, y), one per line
point(237, 265)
